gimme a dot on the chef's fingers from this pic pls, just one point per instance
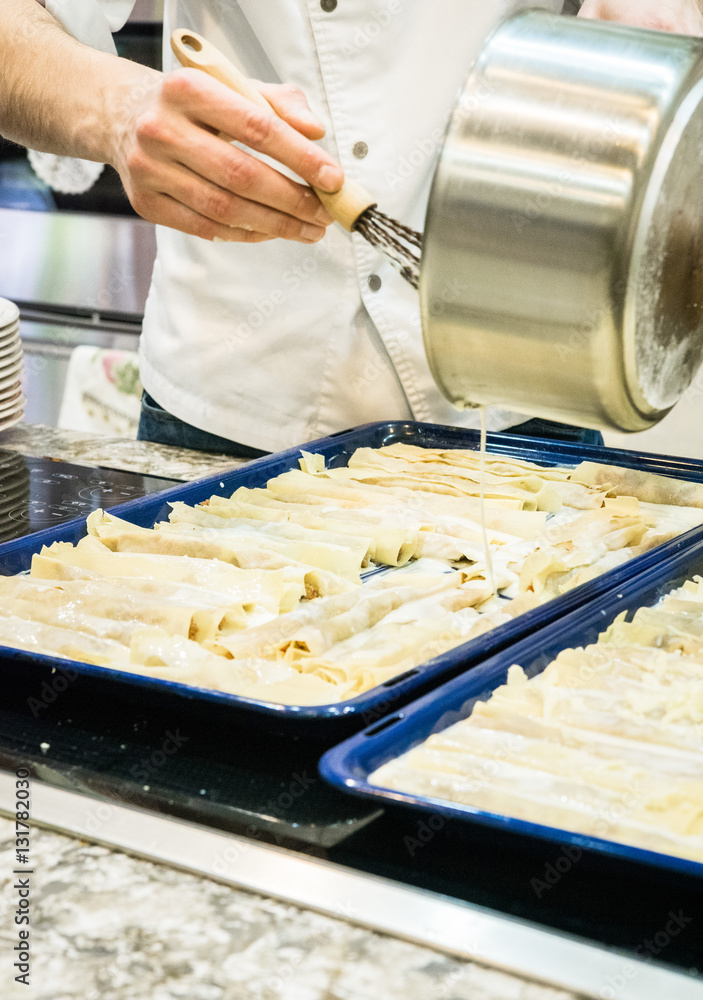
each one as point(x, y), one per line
point(219, 205)
point(226, 166)
point(622, 11)
point(678, 16)
point(166, 211)
point(593, 10)
point(237, 235)
point(290, 103)
point(210, 103)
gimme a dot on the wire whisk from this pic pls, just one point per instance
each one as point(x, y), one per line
point(401, 244)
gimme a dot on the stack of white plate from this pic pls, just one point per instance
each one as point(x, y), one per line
point(11, 399)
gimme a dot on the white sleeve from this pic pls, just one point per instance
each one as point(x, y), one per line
point(91, 22)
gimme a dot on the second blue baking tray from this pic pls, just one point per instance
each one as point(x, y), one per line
point(349, 765)
point(334, 721)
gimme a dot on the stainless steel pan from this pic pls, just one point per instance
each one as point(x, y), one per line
point(562, 272)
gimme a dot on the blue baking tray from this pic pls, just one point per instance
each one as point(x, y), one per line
point(336, 720)
point(348, 765)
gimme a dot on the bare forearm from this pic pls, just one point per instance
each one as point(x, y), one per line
point(58, 95)
point(161, 133)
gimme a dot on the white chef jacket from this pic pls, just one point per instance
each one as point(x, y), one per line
point(277, 343)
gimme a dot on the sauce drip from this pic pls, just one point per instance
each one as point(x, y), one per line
point(482, 490)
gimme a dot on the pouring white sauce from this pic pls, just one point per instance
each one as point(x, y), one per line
point(482, 487)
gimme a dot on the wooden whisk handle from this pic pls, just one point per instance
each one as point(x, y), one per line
point(192, 50)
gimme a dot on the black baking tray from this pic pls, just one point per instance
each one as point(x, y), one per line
point(331, 722)
point(349, 765)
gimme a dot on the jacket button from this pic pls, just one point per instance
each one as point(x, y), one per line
point(328, 5)
point(374, 282)
point(360, 150)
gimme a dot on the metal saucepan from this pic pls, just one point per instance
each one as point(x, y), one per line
point(562, 271)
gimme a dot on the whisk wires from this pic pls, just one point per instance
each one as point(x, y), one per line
point(400, 243)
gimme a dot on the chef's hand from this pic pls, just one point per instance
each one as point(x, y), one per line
point(683, 17)
point(177, 172)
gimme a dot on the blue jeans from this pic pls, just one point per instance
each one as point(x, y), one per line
point(161, 427)
point(539, 428)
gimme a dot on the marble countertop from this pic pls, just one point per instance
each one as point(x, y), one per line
point(40, 440)
point(107, 926)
